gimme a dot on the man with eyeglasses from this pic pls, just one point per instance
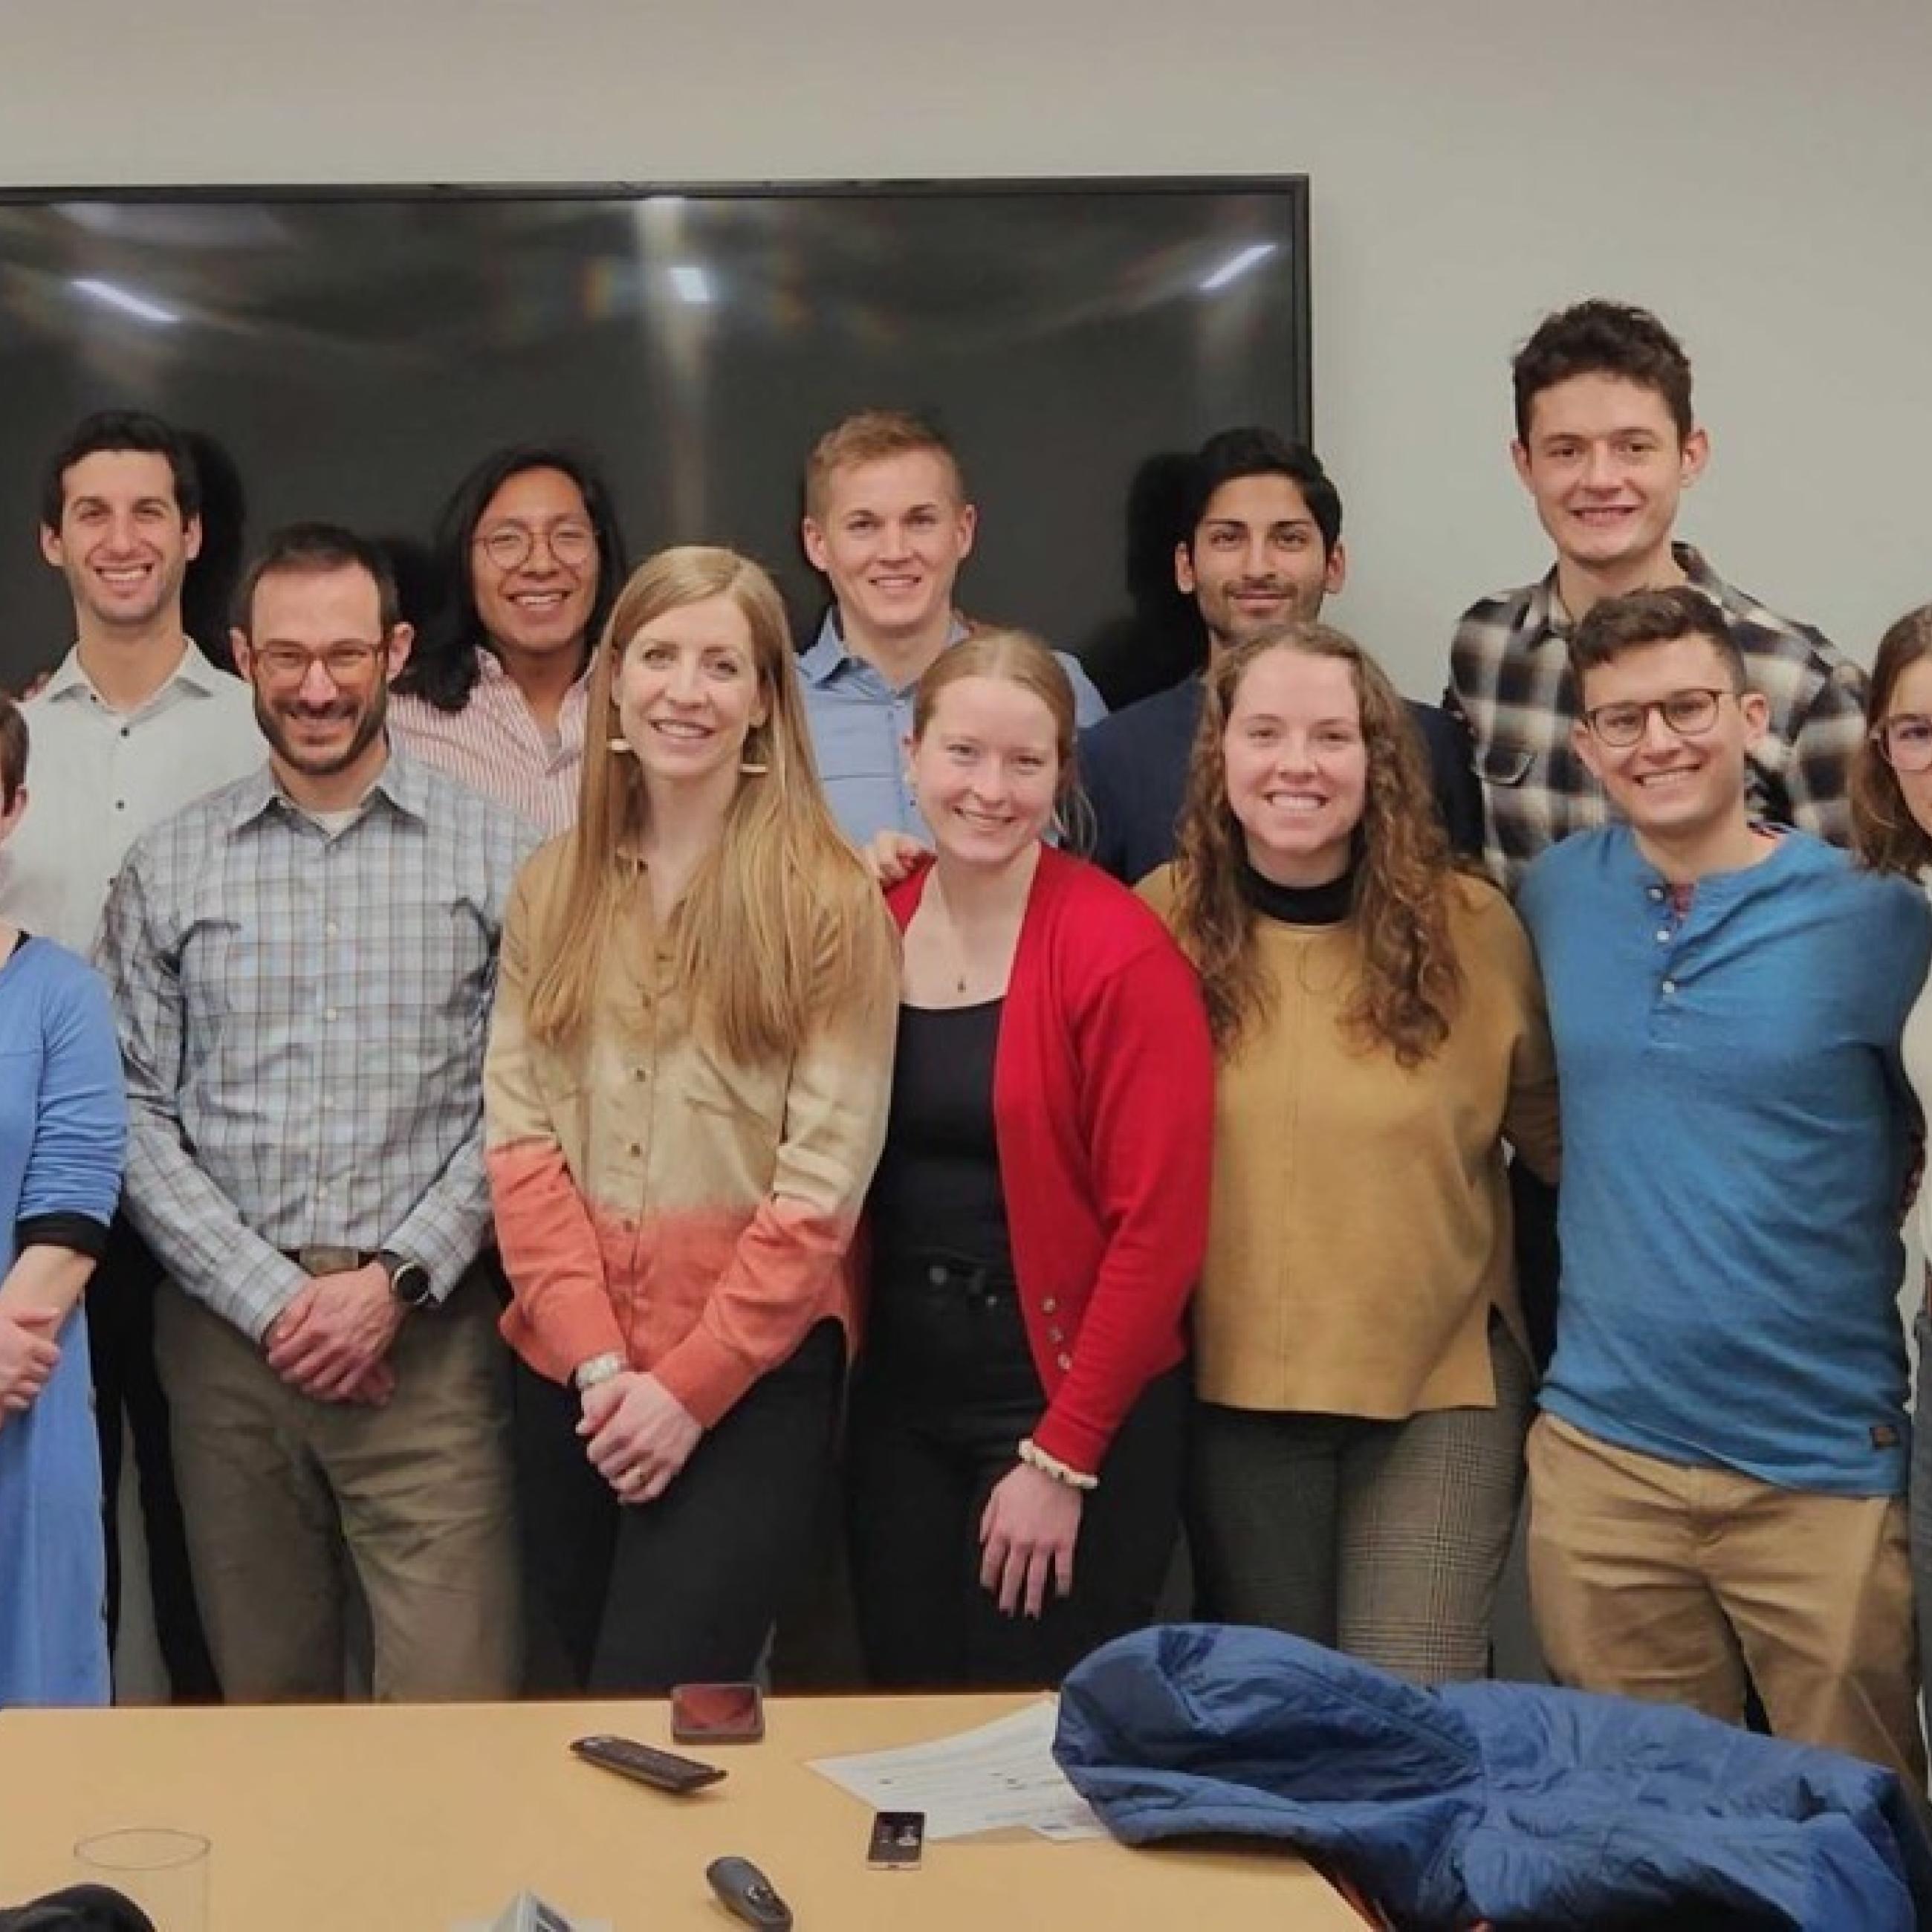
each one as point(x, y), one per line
point(133, 724)
point(1606, 444)
point(302, 964)
point(529, 561)
point(1717, 1479)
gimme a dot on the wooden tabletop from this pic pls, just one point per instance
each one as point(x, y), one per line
point(407, 1819)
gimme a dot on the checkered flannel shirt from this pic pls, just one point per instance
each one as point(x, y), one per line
point(1509, 682)
point(302, 1016)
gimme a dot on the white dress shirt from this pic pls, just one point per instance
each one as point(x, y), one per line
point(97, 778)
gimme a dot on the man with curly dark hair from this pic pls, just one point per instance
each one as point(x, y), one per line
point(1607, 444)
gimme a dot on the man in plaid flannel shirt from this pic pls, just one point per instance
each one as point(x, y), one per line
point(302, 964)
point(1605, 444)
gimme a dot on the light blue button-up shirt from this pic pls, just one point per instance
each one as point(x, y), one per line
point(859, 725)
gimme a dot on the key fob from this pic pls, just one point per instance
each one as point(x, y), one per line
point(746, 1890)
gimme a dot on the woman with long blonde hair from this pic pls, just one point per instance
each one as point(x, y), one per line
point(1363, 1388)
point(686, 1095)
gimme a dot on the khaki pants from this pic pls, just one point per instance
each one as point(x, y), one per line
point(278, 1489)
point(1658, 1580)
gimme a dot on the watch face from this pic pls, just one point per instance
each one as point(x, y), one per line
point(409, 1281)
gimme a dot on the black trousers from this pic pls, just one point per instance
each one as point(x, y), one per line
point(1539, 1262)
point(945, 1391)
point(120, 1305)
point(685, 1589)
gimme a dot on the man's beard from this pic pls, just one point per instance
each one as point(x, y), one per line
point(368, 729)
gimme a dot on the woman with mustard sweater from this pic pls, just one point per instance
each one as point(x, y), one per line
point(1362, 1386)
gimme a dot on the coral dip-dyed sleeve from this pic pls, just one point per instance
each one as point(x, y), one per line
point(789, 1267)
point(543, 1228)
point(658, 1199)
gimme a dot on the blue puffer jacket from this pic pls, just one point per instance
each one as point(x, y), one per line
point(1509, 1802)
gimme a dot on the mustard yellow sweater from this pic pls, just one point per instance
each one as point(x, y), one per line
point(1359, 1232)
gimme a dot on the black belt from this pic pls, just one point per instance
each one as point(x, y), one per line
point(953, 1272)
point(331, 1261)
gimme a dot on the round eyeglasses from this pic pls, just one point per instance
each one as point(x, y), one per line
point(510, 546)
point(1905, 743)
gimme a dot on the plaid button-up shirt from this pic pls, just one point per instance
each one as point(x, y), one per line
point(1510, 681)
point(302, 1015)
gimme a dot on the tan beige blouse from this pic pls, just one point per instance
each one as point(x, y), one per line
point(658, 1200)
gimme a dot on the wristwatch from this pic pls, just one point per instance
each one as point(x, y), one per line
point(409, 1281)
point(598, 1369)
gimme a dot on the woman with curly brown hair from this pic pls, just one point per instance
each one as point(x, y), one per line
point(1362, 1388)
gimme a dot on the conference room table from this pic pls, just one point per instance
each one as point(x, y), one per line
point(414, 1818)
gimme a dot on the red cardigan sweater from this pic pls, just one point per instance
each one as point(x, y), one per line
point(1103, 1108)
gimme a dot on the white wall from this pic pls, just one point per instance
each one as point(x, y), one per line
point(1760, 173)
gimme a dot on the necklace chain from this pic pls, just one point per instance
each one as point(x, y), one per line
point(956, 943)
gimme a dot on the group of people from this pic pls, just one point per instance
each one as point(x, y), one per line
point(872, 1064)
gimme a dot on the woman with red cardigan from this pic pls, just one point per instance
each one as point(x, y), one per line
point(1036, 1222)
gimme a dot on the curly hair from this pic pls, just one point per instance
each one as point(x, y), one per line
point(1884, 835)
point(1603, 338)
point(1411, 980)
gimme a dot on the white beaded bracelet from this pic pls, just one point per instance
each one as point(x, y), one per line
point(1035, 1457)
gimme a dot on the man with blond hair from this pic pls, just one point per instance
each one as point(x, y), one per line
point(888, 522)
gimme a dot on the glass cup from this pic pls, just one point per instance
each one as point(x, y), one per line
point(164, 1872)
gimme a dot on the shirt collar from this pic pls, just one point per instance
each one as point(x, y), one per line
point(194, 673)
point(818, 665)
point(1545, 617)
point(403, 784)
point(822, 662)
point(491, 670)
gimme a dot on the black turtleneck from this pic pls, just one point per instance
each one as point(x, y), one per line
point(1326, 904)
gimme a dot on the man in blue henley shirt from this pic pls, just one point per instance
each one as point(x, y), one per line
point(1716, 1481)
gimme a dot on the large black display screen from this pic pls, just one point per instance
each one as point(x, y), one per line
point(354, 351)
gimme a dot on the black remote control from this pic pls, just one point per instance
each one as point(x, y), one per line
point(664, 1769)
point(746, 1890)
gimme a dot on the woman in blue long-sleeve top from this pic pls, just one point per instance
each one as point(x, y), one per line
point(62, 1128)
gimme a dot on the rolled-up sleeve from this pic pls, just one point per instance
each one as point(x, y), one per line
point(72, 1176)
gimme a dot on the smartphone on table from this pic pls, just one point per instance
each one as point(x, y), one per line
point(717, 1713)
point(898, 1841)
